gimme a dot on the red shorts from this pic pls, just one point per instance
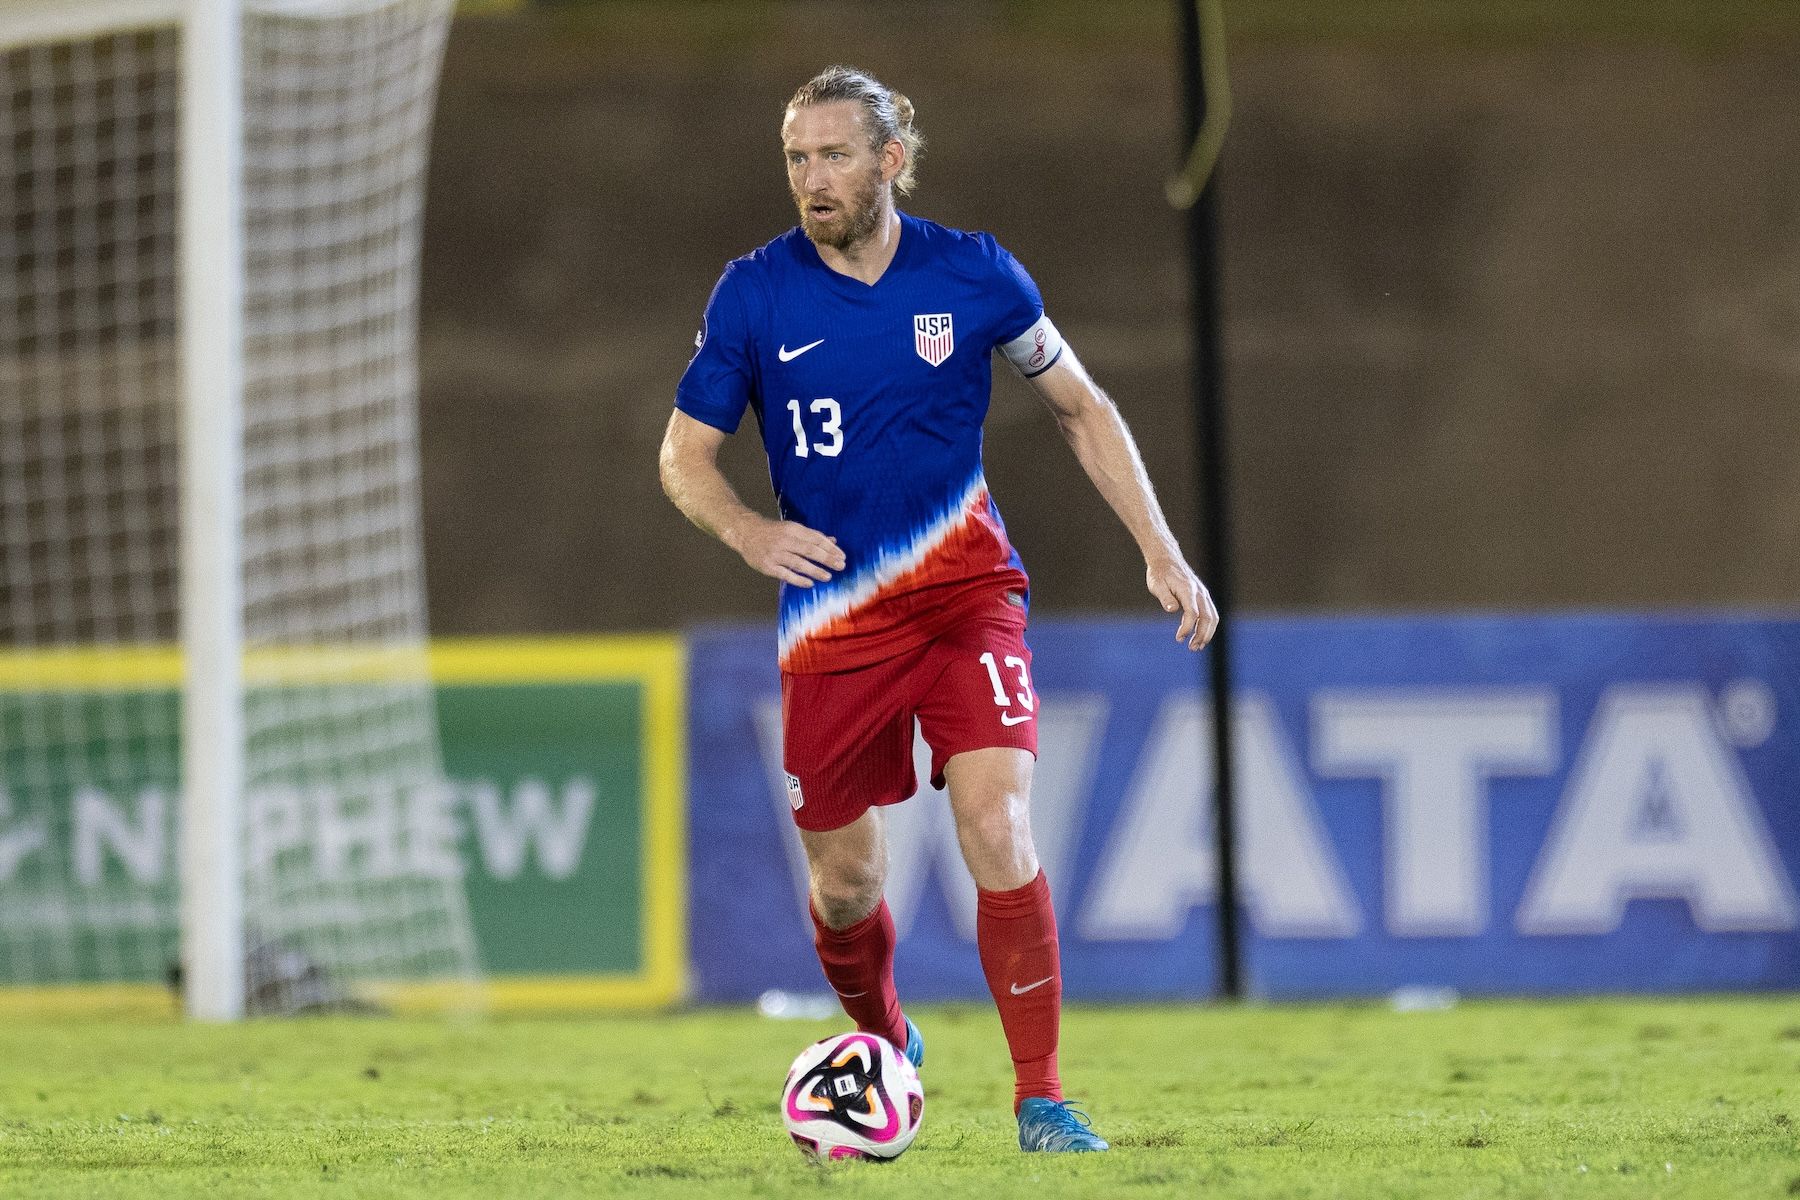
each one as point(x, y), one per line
point(847, 738)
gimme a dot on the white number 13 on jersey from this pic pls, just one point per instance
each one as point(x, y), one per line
point(832, 428)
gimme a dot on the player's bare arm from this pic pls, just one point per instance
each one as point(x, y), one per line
point(691, 477)
point(1103, 445)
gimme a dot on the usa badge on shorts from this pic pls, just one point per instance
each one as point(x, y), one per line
point(932, 337)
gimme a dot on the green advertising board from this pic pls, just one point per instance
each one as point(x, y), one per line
point(564, 759)
point(569, 755)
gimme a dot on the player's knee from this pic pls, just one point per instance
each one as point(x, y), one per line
point(997, 843)
point(845, 893)
point(1003, 821)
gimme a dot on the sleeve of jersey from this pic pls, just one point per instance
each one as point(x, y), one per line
point(716, 386)
point(1036, 345)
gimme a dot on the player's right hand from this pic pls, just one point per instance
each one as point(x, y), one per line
point(790, 552)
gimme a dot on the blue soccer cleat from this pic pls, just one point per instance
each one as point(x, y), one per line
point(1056, 1126)
point(915, 1044)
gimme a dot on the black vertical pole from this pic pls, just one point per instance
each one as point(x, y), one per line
point(1202, 221)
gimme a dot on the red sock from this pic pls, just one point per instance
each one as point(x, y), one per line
point(1016, 932)
point(859, 966)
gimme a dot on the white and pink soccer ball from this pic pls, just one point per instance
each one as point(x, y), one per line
point(852, 1095)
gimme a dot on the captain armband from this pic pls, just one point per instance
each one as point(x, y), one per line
point(1036, 350)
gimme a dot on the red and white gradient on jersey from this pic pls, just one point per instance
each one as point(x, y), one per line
point(908, 595)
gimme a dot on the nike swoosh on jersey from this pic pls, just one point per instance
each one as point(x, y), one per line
point(786, 355)
point(1020, 991)
point(1009, 719)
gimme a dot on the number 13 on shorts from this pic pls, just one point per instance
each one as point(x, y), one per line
point(1004, 696)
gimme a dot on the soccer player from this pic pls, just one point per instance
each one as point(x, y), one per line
point(862, 341)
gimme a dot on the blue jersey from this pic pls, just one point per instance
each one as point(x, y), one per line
point(871, 399)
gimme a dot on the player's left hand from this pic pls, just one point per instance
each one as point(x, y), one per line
point(1175, 586)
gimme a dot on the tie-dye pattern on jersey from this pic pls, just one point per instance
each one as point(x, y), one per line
point(870, 400)
point(906, 594)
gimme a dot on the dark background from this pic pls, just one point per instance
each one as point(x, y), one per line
point(1512, 292)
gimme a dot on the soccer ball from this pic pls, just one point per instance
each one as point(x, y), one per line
point(852, 1095)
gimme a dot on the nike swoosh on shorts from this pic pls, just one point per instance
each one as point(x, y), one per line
point(1008, 719)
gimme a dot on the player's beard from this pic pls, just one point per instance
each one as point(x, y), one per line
point(853, 222)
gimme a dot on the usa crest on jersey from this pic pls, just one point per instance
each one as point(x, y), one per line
point(932, 337)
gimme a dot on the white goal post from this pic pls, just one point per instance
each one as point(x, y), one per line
point(208, 296)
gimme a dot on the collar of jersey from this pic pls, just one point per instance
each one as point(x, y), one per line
point(809, 254)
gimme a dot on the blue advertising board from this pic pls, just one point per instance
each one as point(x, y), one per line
point(1550, 804)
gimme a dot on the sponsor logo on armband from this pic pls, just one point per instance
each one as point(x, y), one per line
point(1036, 350)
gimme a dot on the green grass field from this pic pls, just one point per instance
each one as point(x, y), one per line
point(1579, 1099)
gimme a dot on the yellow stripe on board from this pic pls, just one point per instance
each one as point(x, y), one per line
point(665, 827)
point(528, 994)
point(503, 994)
point(90, 1001)
point(554, 659)
point(158, 668)
point(643, 658)
point(91, 668)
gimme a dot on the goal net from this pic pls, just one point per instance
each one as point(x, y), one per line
point(329, 856)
